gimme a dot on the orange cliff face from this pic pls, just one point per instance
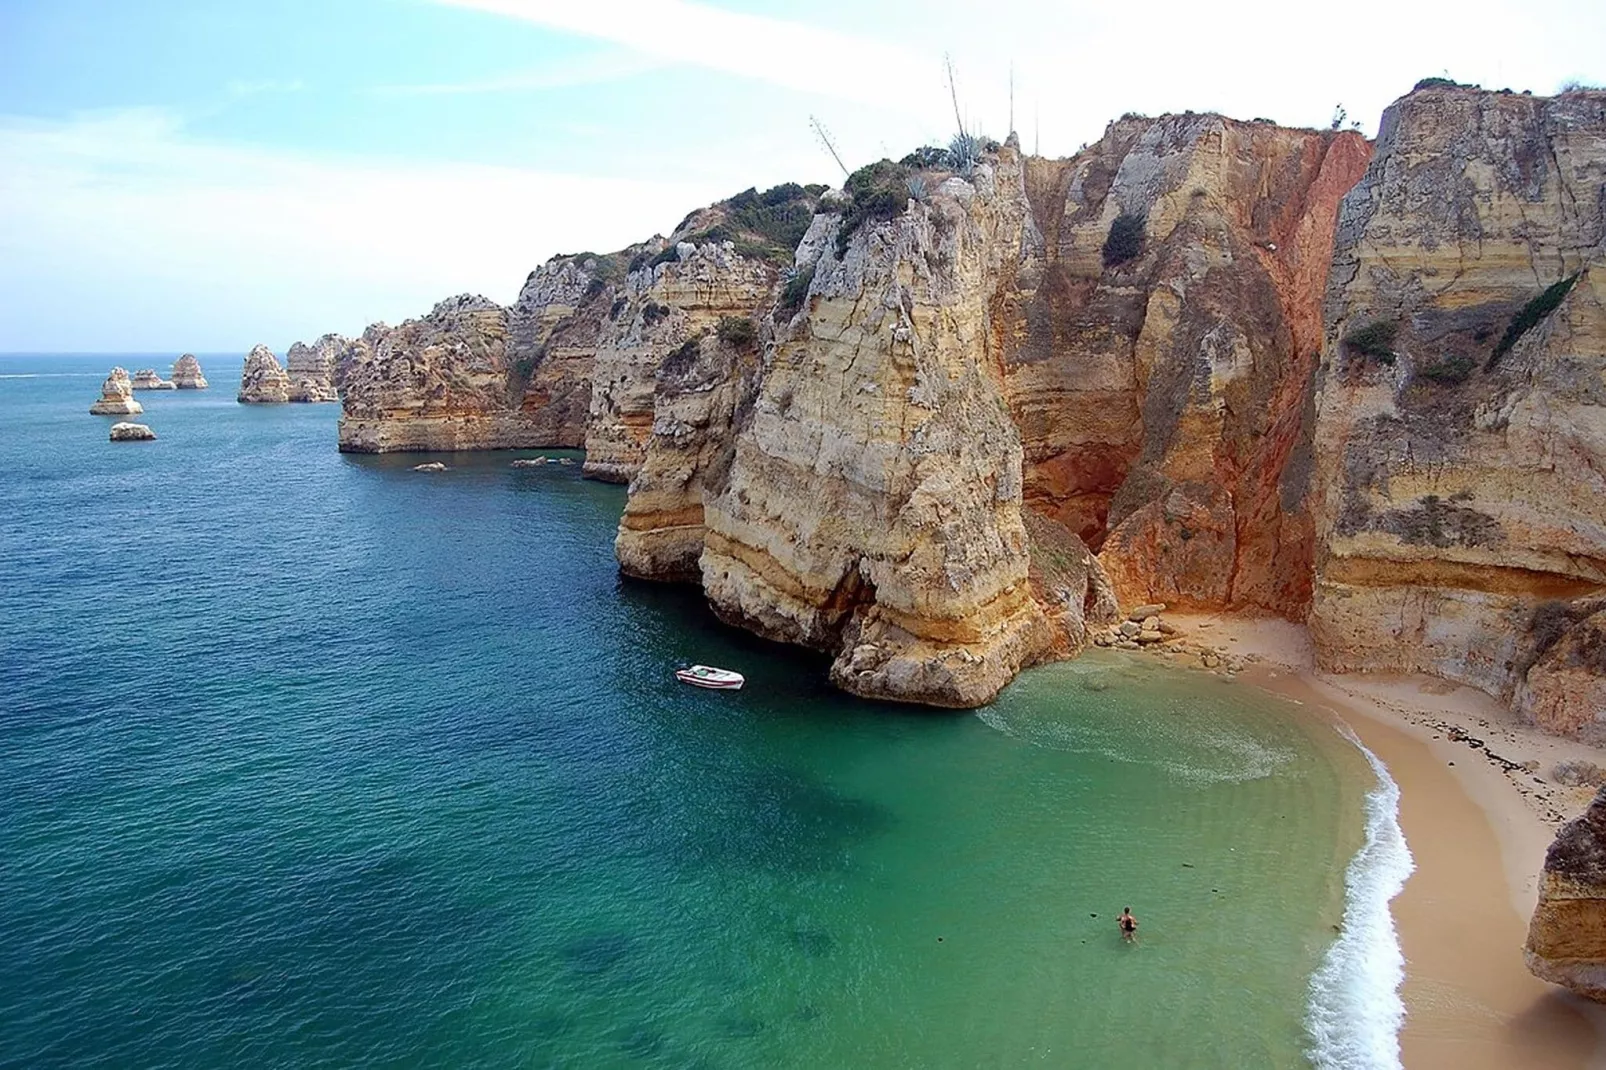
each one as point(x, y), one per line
point(1163, 398)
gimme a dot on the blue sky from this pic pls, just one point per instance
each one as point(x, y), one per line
point(203, 176)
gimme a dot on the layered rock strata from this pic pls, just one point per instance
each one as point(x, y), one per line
point(1567, 935)
point(116, 396)
point(263, 381)
point(438, 383)
point(514, 378)
point(1461, 434)
point(1161, 383)
point(312, 368)
point(873, 507)
point(187, 373)
point(147, 379)
point(662, 310)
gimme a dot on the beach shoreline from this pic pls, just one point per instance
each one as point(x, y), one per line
point(1478, 810)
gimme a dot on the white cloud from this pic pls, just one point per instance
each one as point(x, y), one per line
point(593, 68)
point(120, 231)
point(789, 54)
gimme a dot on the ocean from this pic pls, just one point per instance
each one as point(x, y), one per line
point(310, 759)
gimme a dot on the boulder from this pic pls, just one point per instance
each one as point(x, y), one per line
point(1567, 936)
point(432, 466)
point(116, 396)
point(1143, 612)
point(187, 373)
point(1130, 628)
point(127, 432)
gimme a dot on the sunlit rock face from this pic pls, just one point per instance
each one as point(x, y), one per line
point(263, 380)
point(1461, 433)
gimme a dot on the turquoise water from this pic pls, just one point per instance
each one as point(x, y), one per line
point(313, 760)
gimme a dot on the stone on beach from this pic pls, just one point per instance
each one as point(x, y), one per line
point(1567, 935)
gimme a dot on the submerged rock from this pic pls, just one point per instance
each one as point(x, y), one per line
point(432, 466)
point(116, 396)
point(263, 381)
point(127, 432)
point(1567, 936)
point(187, 373)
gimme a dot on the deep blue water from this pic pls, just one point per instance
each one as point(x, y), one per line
point(314, 760)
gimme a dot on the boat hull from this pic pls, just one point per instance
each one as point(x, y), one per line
point(710, 678)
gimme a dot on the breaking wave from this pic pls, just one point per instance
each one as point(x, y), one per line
point(1355, 1008)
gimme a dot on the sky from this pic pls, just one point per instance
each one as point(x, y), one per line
point(179, 175)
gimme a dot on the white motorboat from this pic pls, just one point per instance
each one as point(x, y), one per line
point(708, 676)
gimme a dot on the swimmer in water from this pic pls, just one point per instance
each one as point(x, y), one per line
point(1128, 924)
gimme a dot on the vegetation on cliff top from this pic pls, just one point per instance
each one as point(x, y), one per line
point(1529, 315)
point(876, 192)
point(764, 226)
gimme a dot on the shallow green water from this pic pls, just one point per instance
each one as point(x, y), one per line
point(315, 760)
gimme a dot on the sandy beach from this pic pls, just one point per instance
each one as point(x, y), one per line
point(1478, 809)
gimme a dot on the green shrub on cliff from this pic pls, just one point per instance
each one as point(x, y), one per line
point(738, 332)
point(1125, 240)
point(764, 226)
point(1441, 83)
point(876, 192)
point(797, 290)
point(1375, 340)
point(1529, 315)
point(1449, 370)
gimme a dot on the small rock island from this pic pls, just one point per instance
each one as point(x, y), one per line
point(263, 381)
point(116, 396)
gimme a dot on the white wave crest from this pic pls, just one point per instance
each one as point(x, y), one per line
point(1355, 1008)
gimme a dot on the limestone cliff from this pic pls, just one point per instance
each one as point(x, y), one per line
point(187, 373)
point(1160, 344)
point(311, 368)
point(1567, 936)
point(147, 379)
point(663, 307)
point(535, 391)
point(873, 507)
point(1461, 432)
point(263, 380)
point(436, 383)
point(116, 396)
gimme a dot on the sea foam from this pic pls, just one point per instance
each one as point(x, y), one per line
point(1355, 1008)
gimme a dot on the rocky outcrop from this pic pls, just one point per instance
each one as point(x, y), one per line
point(1161, 341)
point(473, 375)
point(127, 432)
point(1567, 936)
point(147, 379)
point(116, 396)
point(439, 383)
point(263, 381)
point(873, 507)
point(1461, 434)
point(311, 369)
point(663, 309)
point(187, 373)
point(700, 395)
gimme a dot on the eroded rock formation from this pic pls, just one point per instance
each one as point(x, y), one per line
point(130, 432)
point(662, 309)
point(1164, 331)
point(116, 396)
point(187, 373)
point(263, 381)
point(147, 379)
point(1567, 936)
point(1461, 435)
point(312, 368)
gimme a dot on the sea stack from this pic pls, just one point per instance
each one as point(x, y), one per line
point(187, 373)
point(312, 368)
point(116, 396)
point(263, 382)
point(1567, 937)
point(147, 379)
